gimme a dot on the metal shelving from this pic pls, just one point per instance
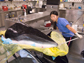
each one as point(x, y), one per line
point(71, 2)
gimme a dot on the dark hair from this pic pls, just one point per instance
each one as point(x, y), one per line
point(54, 12)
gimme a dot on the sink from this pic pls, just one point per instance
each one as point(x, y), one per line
point(81, 33)
point(14, 19)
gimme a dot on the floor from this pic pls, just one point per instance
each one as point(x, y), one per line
point(2, 28)
point(75, 58)
point(71, 58)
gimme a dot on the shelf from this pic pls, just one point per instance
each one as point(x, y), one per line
point(5, 1)
point(70, 2)
point(18, 1)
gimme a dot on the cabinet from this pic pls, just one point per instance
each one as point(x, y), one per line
point(1, 20)
point(20, 12)
point(73, 15)
point(3, 24)
point(11, 14)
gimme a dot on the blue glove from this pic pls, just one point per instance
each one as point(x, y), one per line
point(6, 41)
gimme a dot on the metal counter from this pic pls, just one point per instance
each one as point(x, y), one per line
point(35, 20)
point(13, 13)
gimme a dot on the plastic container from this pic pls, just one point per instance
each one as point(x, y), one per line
point(83, 27)
point(7, 16)
point(47, 23)
point(69, 6)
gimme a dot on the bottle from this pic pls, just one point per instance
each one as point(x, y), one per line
point(69, 6)
point(70, 23)
point(24, 12)
point(37, 4)
point(60, 0)
point(83, 27)
point(6, 16)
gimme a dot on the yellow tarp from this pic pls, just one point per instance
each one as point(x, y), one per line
point(62, 48)
point(2, 32)
point(6, 51)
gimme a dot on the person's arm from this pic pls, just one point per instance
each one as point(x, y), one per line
point(56, 27)
point(71, 29)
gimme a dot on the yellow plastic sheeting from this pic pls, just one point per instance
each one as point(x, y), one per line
point(2, 32)
point(62, 48)
point(6, 51)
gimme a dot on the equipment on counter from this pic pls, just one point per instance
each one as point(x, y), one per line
point(5, 8)
point(27, 8)
point(24, 6)
point(53, 2)
point(10, 0)
point(47, 23)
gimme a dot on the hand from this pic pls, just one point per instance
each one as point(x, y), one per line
point(80, 36)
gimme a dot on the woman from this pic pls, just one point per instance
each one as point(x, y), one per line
point(64, 26)
point(67, 32)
